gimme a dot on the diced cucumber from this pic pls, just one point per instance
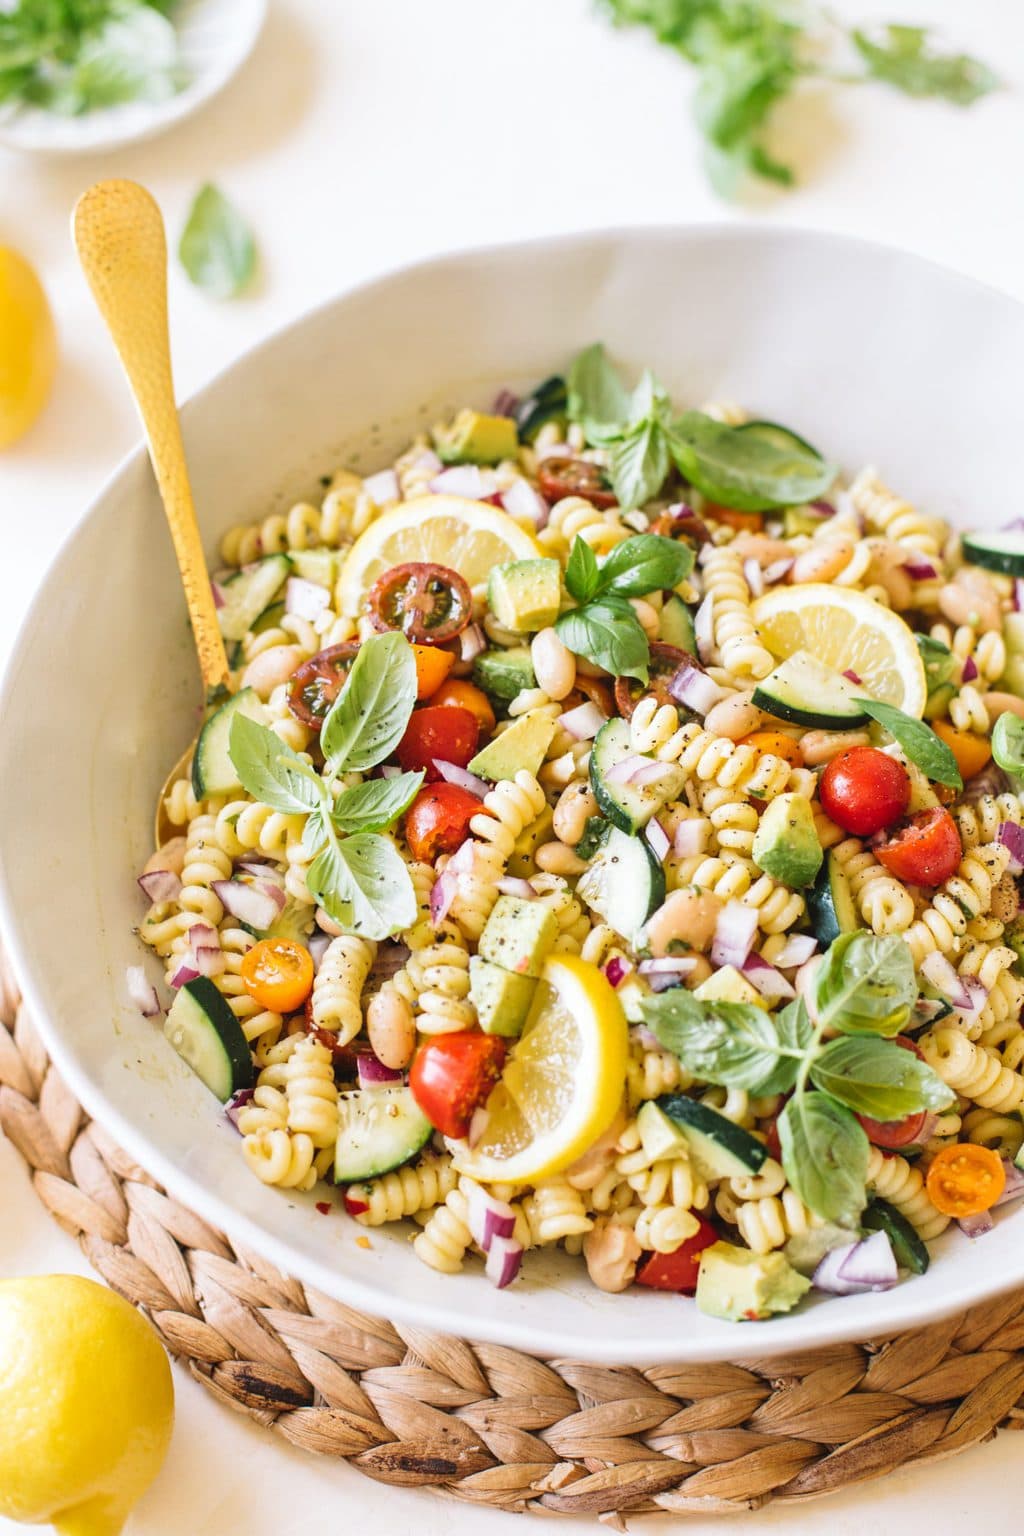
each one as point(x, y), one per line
point(270, 618)
point(378, 1129)
point(910, 1251)
point(629, 806)
point(719, 1148)
point(206, 1035)
point(830, 903)
point(624, 882)
point(804, 690)
point(213, 772)
point(317, 565)
point(1000, 551)
point(676, 625)
point(249, 592)
point(547, 403)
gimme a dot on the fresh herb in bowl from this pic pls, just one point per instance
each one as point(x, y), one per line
point(72, 56)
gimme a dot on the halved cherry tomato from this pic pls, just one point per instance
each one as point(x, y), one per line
point(965, 1179)
point(432, 667)
point(678, 1271)
point(467, 696)
point(776, 742)
point(278, 973)
point(452, 1075)
point(441, 730)
point(972, 753)
point(772, 1141)
point(558, 477)
point(745, 522)
point(864, 790)
point(316, 684)
point(428, 603)
point(598, 691)
point(926, 852)
point(664, 664)
point(438, 820)
point(891, 1134)
point(692, 528)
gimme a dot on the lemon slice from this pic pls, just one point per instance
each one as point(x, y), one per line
point(563, 1080)
point(847, 631)
point(470, 537)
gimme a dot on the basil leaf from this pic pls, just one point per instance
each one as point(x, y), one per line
point(217, 249)
point(918, 741)
point(608, 633)
point(582, 573)
point(865, 984)
point(372, 806)
point(649, 400)
point(368, 718)
point(735, 1044)
point(903, 59)
point(794, 1028)
point(638, 463)
point(746, 470)
point(314, 833)
point(878, 1078)
point(596, 393)
point(134, 56)
point(270, 771)
point(825, 1156)
point(645, 564)
point(364, 884)
point(1008, 743)
point(938, 659)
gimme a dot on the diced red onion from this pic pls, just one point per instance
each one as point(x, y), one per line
point(659, 840)
point(920, 570)
point(695, 689)
point(977, 996)
point(236, 1103)
point(690, 835)
point(305, 599)
point(521, 500)
point(1014, 1186)
point(823, 508)
point(650, 773)
point(142, 992)
point(703, 629)
point(160, 885)
point(478, 1123)
point(427, 462)
point(185, 971)
point(505, 403)
point(976, 1225)
point(929, 1125)
point(467, 480)
point(754, 577)
point(382, 487)
point(768, 981)
point(868, 1265)
point(471, 642)
point(776, 571)
point(623, 771)
point(218, 594)
point(442, 894)
point(852, 676)
point(210, 960)
point(463, 860)
point(937, 969)
point(317, 945)
point(734, 934)
point(504, 1258)
point(583, 722)
point(970, 670)
point(256, 906)
point(390, 771)
point(202, 935)
point(797, 950)
point(679, 511)
point(1012, 837)
point(488, 1217)
point(373, 1073)
point(462, 777)
point(509, 885)
point(617, 969)
point(256, 867)
point(645, 1038)
point(1018, 594)
point(667, 965)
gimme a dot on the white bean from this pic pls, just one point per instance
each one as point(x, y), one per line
point(689, 916)
point(271, 668)
point(734, 717)
point(553, 664)
point(172, 857)
point(390, 1028)
point(576, 804)
point(559, 859)
point(648, 617)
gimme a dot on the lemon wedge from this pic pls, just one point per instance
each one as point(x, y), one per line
point(28, 346)
point(563, 1080)
point(847, 631)
point(470, 537)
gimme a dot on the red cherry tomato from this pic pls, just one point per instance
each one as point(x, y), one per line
point(678, 1271)
point(864, 791)
point(428, 603)
point(892, 1134)
point(558, 477)
point(452, 1075)
point(773, 1146)
point(438, 820)
point(315, 685)
point(926, 852)
point(446, 731)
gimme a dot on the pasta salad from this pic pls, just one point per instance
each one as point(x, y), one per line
point(611, 841)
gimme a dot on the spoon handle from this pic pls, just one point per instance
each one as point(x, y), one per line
point(119, 235)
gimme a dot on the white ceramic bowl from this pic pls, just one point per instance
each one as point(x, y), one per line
point(875, 355)
point(215, 38)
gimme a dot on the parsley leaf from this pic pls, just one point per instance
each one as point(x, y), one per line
point(902, 58)
point(919, 742)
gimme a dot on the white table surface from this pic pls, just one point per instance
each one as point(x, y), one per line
point(363, 135)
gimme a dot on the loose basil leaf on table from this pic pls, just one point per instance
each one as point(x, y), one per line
point(919, 742)
point(752, 472)
point(825, 1157)
point(217, 249)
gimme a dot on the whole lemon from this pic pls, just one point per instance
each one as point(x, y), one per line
point(86, 1405)
point(28, 346)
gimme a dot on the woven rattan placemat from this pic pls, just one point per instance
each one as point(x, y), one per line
point(486, 1424)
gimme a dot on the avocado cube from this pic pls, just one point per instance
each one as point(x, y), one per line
point(519, 935)
point(502, 1000)
point(786, 844)
point(521, 863)
point(317, 565)
point(523, 745)
point(473, 438)
point(503, 674)
point(739, 1285)
point(727, 985)
point(525, 595)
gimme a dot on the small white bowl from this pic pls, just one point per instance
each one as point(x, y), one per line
point(875, 355)
point(215, 39)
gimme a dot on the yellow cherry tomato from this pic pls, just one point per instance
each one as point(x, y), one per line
point(432, 667)
point(964, 1179)
point(776, 742)
point(972, 752)
point(278, 973)
point(468, 696)
point(28, 347)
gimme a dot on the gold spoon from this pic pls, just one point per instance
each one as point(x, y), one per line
point(119, 235)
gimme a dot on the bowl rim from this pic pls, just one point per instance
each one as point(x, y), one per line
point(816, 1329)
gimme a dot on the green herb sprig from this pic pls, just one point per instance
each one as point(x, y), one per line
point(604, 627)
point(865, 989)
point(217, 248)
point(357, 876)
point(71, 56)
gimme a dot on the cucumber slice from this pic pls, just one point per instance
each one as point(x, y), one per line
point(805, 691)
point(248, 593)
point(676, 627)
point(213, 772)
point(624, 883)
point(378, 1129)
point(719, 1148)
point(910, 1251)
point(270, 618)
point(996, 551)
point(206, 1035)
point(830, 904)
point(778, 436)
point(628, 806)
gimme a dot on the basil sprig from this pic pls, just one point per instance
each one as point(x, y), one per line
point(865, 993)
point(919, 742)
point(356, 875)
point(604, 627)
point(633, 427)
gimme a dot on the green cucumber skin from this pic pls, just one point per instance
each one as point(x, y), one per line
point(692, 1116)
point(1007, 562)
point(782, 710)
point(612, 740)
point(909, 1249)
point(210, 1002)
